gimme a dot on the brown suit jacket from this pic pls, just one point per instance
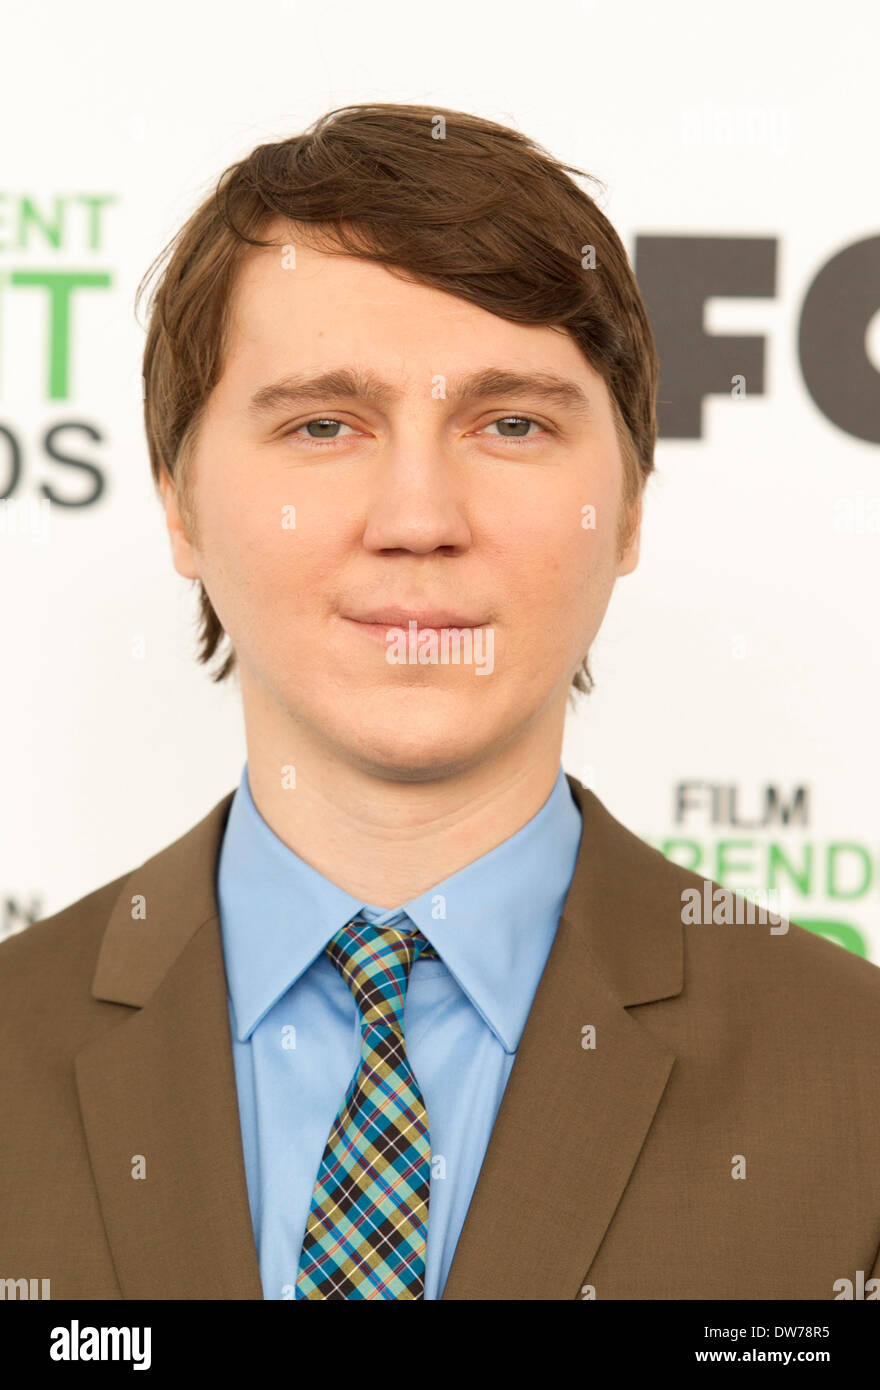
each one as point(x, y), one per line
point(610, 1168)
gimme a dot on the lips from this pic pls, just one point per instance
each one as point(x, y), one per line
point(436, 618)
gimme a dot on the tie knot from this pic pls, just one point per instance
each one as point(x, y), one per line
point(375, 963)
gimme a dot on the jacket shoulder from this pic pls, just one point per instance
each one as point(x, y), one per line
point(770, 964)
point(772, 946)
point(68, 941)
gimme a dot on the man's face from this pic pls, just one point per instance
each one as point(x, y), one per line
point(430, 500)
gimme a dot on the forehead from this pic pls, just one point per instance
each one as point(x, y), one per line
point(295, 304)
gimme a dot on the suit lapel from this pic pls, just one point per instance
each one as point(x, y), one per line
point(572, 1121)
point(157, 1093)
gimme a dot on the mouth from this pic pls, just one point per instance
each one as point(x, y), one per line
point(378, 624)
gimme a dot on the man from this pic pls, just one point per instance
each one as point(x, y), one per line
point(410, 1014)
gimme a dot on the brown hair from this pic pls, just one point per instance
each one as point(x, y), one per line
point(460, 204)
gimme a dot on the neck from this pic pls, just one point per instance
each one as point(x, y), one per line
point(386, 840)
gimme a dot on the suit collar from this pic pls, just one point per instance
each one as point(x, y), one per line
point(569, 1131)
point(159, 909)
point(625, 901)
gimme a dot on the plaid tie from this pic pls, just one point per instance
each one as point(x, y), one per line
point(366, 1233)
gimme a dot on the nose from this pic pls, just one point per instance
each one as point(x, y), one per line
point(420, 501)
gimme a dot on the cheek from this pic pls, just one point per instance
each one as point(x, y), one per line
point(564, 581)
point(559, 550)
point(253, 539)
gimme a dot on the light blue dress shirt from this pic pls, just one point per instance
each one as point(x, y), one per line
point(296, 1029)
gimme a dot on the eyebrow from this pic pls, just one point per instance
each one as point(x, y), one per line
point(365, 385)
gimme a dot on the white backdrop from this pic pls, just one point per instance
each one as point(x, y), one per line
point(742, 655)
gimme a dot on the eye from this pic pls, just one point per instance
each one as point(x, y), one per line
point(326, 430)
point(517, 421)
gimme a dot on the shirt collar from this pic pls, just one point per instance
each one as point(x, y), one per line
point(492, 922)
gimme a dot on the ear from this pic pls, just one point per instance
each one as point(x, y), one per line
point(182, 552)
point(630, 557)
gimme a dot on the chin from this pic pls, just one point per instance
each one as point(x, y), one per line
point(423, 769)
point(417, 750)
